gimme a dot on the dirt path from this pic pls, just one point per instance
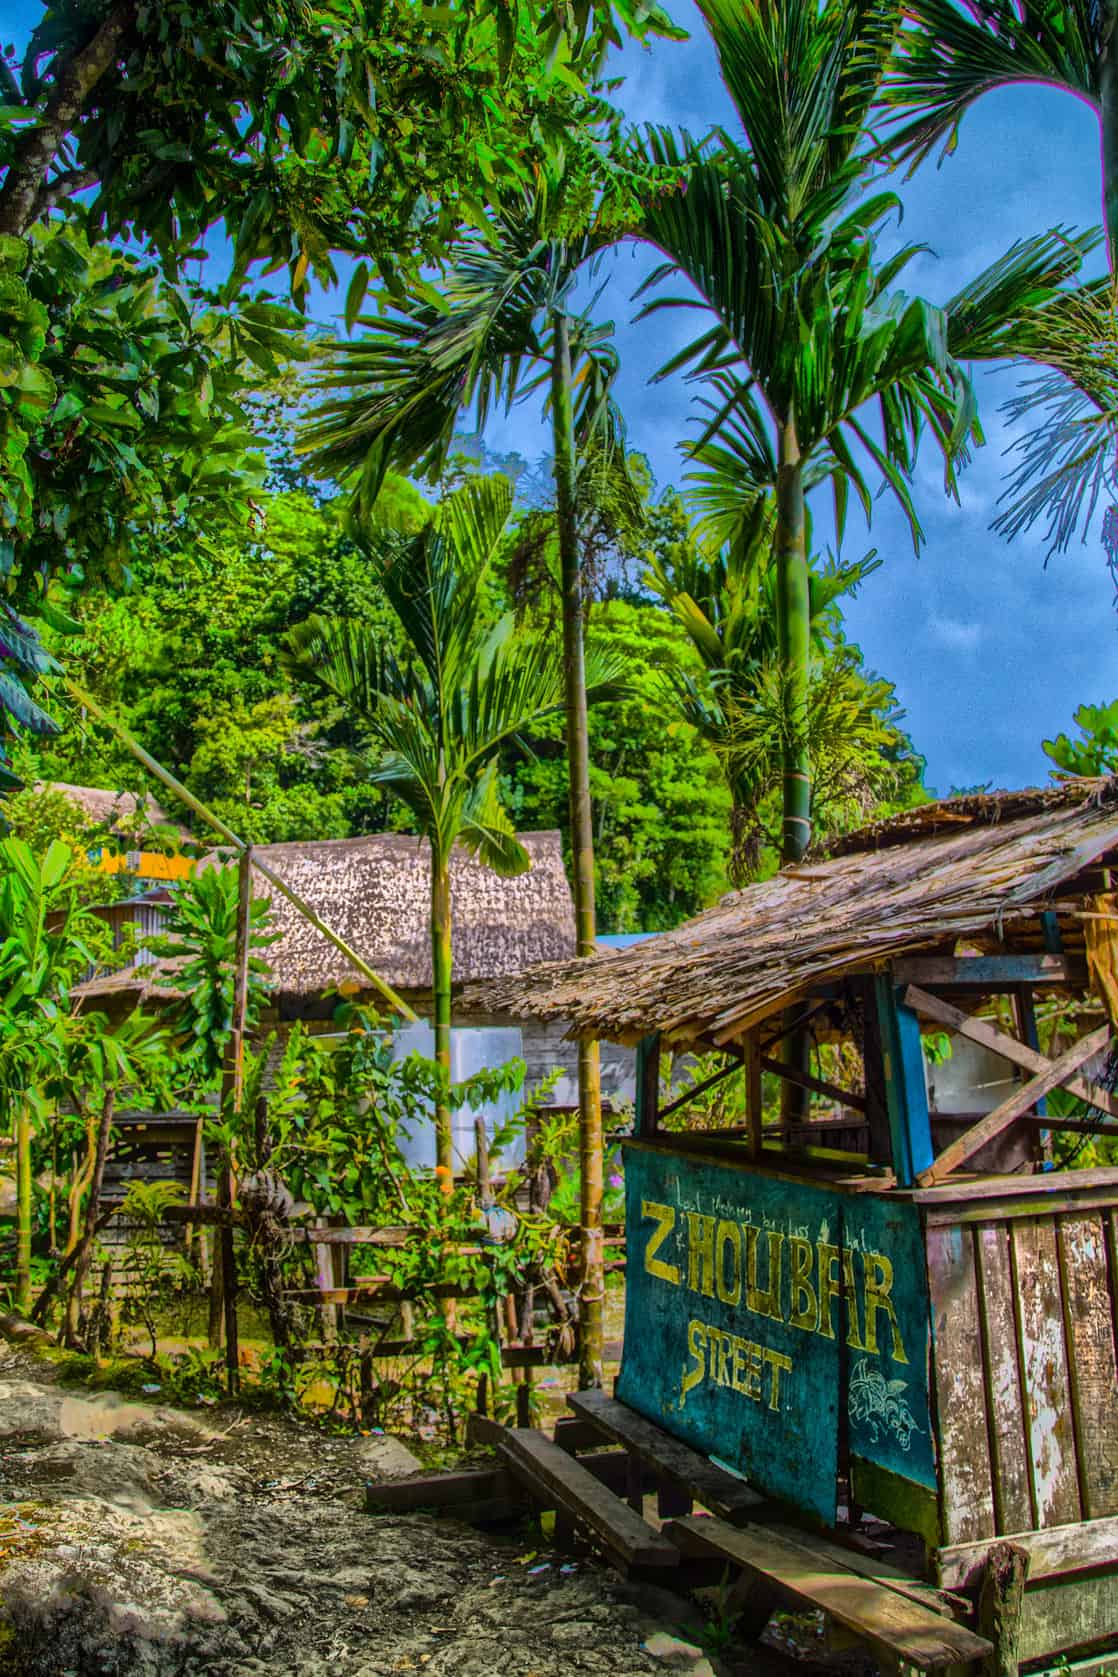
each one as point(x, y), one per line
point(140, 1540)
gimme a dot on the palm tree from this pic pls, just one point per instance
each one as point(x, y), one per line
point(437, 718)
point(725, 602)
point(946, 58)
point(505, 327)
point(949, 55)
point(777, 235)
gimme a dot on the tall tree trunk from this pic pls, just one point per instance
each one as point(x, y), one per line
point(1108, 120)
point(92, 1211)
point(592, 1279)
point(793, 596)
point(793, 605)
point(442, 967)
point(23, 1204)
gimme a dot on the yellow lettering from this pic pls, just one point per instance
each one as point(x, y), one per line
point(803, 1302)
point(777, 1361)
point(879, 1287)
point(729, 1290)
point(724, 1339)
point(828, 1288)
point(850, 1297)
point(738, 1370)
point(665, 1223)
point(696, 1333)
point(765, 1301)
point(753, 1378)
point(700, 1253)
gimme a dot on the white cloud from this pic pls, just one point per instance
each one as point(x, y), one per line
point(954, 634)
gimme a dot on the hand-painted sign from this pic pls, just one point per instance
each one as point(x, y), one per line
point(762, 1315)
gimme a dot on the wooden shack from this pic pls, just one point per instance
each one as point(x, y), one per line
point(916, 1341)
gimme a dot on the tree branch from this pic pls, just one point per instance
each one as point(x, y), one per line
point(39, 146)
point(62, 186)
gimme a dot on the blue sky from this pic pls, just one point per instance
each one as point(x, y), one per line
point(990, 651)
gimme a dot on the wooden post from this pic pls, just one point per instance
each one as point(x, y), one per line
point(1025, 1011)
point(873, 1064)
point(225, 1269)
point(648, 1084)
point(999, 1607)
point(906, 1093)
point(754, 1098)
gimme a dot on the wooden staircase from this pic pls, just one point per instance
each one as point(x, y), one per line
point(596, 1474)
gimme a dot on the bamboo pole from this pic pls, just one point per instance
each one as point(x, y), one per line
point(592, 1285)
point(225, 1270)
point(166, 778)
point(23, 1204)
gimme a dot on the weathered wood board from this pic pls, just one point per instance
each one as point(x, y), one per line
point(1026, 1372)
point(765, 1317)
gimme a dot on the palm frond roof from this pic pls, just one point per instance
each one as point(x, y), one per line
point(973, 872)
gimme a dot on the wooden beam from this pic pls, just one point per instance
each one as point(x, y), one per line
point(1017, 1104)
point(804, 1080)
point(754, 1093)
point(987, 972)
point(675, 1461)
point(998, 1042)
point(441, 1490)
point(1055, 1553)
point(895, 1626)
point(559, 1480)
point(906, 1093)
point(648, 1112)
point(699, 1089)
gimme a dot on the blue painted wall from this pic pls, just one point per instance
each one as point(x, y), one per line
point(763, 1316)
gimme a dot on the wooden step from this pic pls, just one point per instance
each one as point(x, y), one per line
point(730, 1498)
point(894, 1625)
point(945, 1602)
point(479, 1497)
point(558, 1480)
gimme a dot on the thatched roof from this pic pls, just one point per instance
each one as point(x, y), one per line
point(375, 893)
point(121, 813)
point(972, 868)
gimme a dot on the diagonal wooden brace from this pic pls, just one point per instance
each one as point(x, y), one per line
point(1058, 1071)
point(988, 1036)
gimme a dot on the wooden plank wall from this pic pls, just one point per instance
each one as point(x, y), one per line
point(1025, 1312)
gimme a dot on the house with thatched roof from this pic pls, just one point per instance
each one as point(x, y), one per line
point(121, 814)
point(374, 891)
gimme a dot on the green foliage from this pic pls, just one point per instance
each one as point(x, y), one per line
point(201, 938)
point(779, 235)
point(126, 413)
point(44, 950)
point(305, 129)
point(1095, 752)
point(661, 807)
point(190, 661)
point(302, 131)
point(437, 718)
point(725, 602)
point(154, 1274)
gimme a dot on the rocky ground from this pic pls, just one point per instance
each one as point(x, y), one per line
point(151, 1541)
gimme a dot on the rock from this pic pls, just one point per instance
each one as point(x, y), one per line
point(381, 1457)
point(678, 1656)
point(18, 1331)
